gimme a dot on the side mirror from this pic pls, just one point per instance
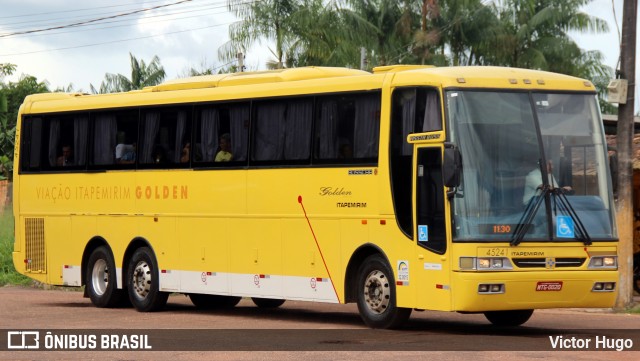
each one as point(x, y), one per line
point(452, 166)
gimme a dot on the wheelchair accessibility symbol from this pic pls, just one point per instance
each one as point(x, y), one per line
point(564, 227)
point(423, 234)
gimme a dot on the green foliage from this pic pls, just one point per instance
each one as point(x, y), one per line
point(11, 97)
point(142, 75)
point(8, 274)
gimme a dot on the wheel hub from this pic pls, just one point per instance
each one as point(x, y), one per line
point(377, 292)
point(100, 277)
point(142, 280)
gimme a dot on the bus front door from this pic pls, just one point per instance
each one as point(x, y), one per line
point(433, 265)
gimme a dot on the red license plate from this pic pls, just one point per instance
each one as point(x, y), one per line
point(549, 286)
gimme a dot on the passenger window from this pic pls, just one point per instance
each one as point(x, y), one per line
point(282, 131)
point(221, 135)
point(347, 128)
point(55, 142)
point(115, 139)
point(165, 138)
point(67, 141)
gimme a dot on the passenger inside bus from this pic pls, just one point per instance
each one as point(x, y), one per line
point(533, 182)
point(224, 155)
point(186, 151)
point(66, 159)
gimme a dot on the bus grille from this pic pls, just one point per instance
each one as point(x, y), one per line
point(543, 262)
point(36, 260)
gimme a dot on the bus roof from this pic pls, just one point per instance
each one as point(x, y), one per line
point(307, 80)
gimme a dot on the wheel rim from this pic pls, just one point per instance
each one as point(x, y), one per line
point(377, 292)
point(142, 279)
point(100, 277)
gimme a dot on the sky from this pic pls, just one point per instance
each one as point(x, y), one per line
point(182, 33)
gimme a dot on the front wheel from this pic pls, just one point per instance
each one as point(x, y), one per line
point(100, 279)
point(377, 295)
point(143, 282)
point(508, 318)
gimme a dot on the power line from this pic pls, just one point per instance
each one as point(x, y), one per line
point(55, 21)
point(129, 22)
point(114, 41)
point(70, 11)
point(93, 20)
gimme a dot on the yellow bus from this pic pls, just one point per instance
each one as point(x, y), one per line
point(468, 189)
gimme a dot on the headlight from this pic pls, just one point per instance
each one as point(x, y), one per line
point(603, 262)
point(485, 263)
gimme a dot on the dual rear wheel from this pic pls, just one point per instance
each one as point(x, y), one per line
point(142, 282)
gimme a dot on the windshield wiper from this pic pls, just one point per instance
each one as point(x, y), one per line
point(565, 207)
point(561, 202)
point(529, 213)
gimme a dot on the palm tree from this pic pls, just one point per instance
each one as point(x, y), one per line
point(260, 20)
point(535, 30)
point(142, 75)
point(385, 32)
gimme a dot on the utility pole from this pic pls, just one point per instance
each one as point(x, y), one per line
point(363, 58)
point(240, 62)
point(625, 155)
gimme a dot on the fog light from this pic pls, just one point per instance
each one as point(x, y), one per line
point(598, 286)
point(609, 286)
point(483, 288)
point(496, 288)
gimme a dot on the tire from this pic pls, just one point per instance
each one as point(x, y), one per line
point(376, 291)
point(636, 272)
point(267, 302)
point(508, 318)
point(210, 302)
point(100, 279)
point(143, 282)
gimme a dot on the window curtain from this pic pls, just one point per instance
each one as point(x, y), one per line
point(298, 130)
point(54, 139)
point(238, 124)
point(476, 200)
point(80, 132)
point(209, 134)
point(408, 120)
point(269, 132)
point(432, 119)
point(36, 142)
point(151, 126)
point(328, 130)
point(104, 143)
point(367, 127)
point(180, 141)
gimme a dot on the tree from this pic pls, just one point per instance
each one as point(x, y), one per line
point(260, 20)
point(535, 32)
point(142, 75)
point(13, 94)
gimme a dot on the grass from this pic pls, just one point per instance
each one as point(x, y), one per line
point(8, 274)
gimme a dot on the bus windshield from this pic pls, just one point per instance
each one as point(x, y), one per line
point(534, 167)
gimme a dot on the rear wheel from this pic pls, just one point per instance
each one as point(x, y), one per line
point(267, 302)
point(143, 283)
point(377, 295)
point(208, 302)
point(100, 279)
point(508, 318)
